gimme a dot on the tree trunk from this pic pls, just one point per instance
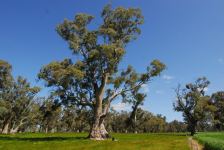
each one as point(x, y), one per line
point(193, 128)
point(98, 131)
point(193, 131)
point(5, 129)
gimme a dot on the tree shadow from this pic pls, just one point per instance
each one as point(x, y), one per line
point(39, 139)
point(173, 134)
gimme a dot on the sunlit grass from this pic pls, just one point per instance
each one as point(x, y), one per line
point(69, 141)
point(211, 141)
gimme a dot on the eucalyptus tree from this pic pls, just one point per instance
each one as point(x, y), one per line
point(136, 101)
point(95, 80)
point(6, 82)
point(193, 103)
point(16, 99)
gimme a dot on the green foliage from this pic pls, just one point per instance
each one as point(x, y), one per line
point(77, 141)
point(75, 119)
point(5, 74)
point(101, 51)
point(143, 122)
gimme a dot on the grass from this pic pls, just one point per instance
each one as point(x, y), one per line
point(68, 141)
point(212, 140)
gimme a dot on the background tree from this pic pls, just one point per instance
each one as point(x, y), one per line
point(136, 101)
point(146, 122)
point(94, 80)
point(50, 115)
point(68, 122)
point(151, 123)
point(192, 102)
point(76, 119)
point(16, 100)
point(176, 126)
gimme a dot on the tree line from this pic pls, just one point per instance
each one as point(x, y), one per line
point(82, 90)
point(22, 111)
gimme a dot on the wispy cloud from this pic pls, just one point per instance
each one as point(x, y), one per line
point(145, 88)
point(206, 89)
point(221, 60)
point(159, 92)
point(167, 77)
point(120, 106)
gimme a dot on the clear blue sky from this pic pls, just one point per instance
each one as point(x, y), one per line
point(187, 35)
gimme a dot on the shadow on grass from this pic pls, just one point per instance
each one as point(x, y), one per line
point(36, 139)
point(173, 134)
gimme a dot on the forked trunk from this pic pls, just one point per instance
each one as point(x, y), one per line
point(192, 128)
point(98, 131)
point(15, 130)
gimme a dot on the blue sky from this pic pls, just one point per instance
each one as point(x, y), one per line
point(188, 36)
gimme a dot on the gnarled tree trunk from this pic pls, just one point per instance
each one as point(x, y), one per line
point(14, 130)
point(98, 131)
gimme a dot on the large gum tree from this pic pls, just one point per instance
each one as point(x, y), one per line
point(94, 80)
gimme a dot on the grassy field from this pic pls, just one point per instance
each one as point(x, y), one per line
point(69, 141)
point(211, 141)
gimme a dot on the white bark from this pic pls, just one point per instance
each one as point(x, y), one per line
point(5, 129)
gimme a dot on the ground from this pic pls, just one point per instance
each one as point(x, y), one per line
point(58, 141)
point(194, 145)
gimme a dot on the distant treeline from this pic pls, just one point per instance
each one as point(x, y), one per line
point(46, 116)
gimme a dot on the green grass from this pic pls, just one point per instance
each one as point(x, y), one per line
point(69, 141)
point(211, 141)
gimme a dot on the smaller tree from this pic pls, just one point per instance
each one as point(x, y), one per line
point(217, 100)
point(136, 100)
point(16, 99)
point(192, 102)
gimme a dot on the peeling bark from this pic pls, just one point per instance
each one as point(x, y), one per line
point(5, 129)
point(98, 131)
